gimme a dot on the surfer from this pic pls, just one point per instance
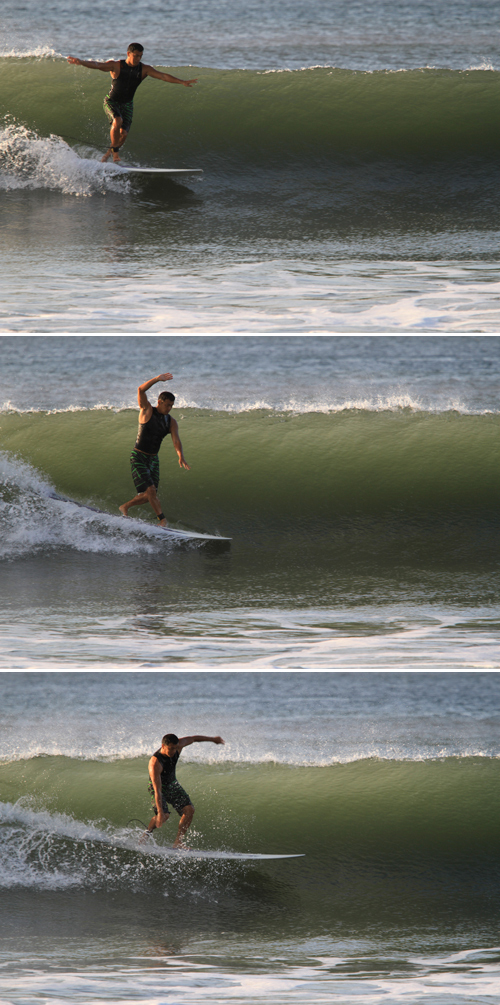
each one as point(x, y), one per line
point(126, 75)
point(154, 424)
point(165, 788)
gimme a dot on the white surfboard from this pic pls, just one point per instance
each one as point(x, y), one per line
point(232, 856)
point(136, 838)
point(124, 169)
point(171, 532)
point(187, 535)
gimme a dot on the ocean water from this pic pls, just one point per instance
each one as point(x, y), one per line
point(350, 158)
point(346, 646)
point(386, 783)
point(358, 478)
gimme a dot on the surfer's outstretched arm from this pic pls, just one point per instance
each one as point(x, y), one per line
point(185, 741)
point(110, 66)
point(150, 71)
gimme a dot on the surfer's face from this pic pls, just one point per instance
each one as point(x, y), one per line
point(170, 749)
point(164, 406)
point(134, 58)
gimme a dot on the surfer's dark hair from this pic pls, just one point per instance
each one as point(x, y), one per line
point(166, 396)
point(169, 738)
point(135, 47)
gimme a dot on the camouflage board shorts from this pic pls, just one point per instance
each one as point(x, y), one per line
point(174, 794)
point(145, 470)
point(125, 111)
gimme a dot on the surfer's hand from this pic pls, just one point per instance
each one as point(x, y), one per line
point(218, 739)
point(187, 83)
point(73, 59)
point(184, 464)
point(165, 376)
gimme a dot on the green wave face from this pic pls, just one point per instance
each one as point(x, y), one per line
point(382, 840)
point(433, 811)
point(242, 117)
point(276, 473)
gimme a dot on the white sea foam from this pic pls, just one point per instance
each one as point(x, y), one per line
point(31, 520)
point(23, 832)
point(273, 976)
point(33, 52)
point(113, 648)
point(263, 298)
point(485, 64)
point(54, 851)
point(30, 161)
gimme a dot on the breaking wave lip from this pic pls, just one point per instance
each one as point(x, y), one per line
point(485, 65)
point(42, 52)
point(398, 402)
point(8, 408)
point(110, 752)
point(37, 52)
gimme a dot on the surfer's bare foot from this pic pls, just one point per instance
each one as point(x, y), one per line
point(116, 156)
point(123, 509)
point(107, 155)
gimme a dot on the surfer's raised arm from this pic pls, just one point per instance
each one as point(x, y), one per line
point(142, 399)
point(150, 71)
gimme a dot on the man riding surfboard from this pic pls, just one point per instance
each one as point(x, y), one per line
point(126, 75)
point(155, 422)
point(165, 788)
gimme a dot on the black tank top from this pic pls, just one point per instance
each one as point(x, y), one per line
point(168, 766)
point(125, 86)
point(151, 433)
